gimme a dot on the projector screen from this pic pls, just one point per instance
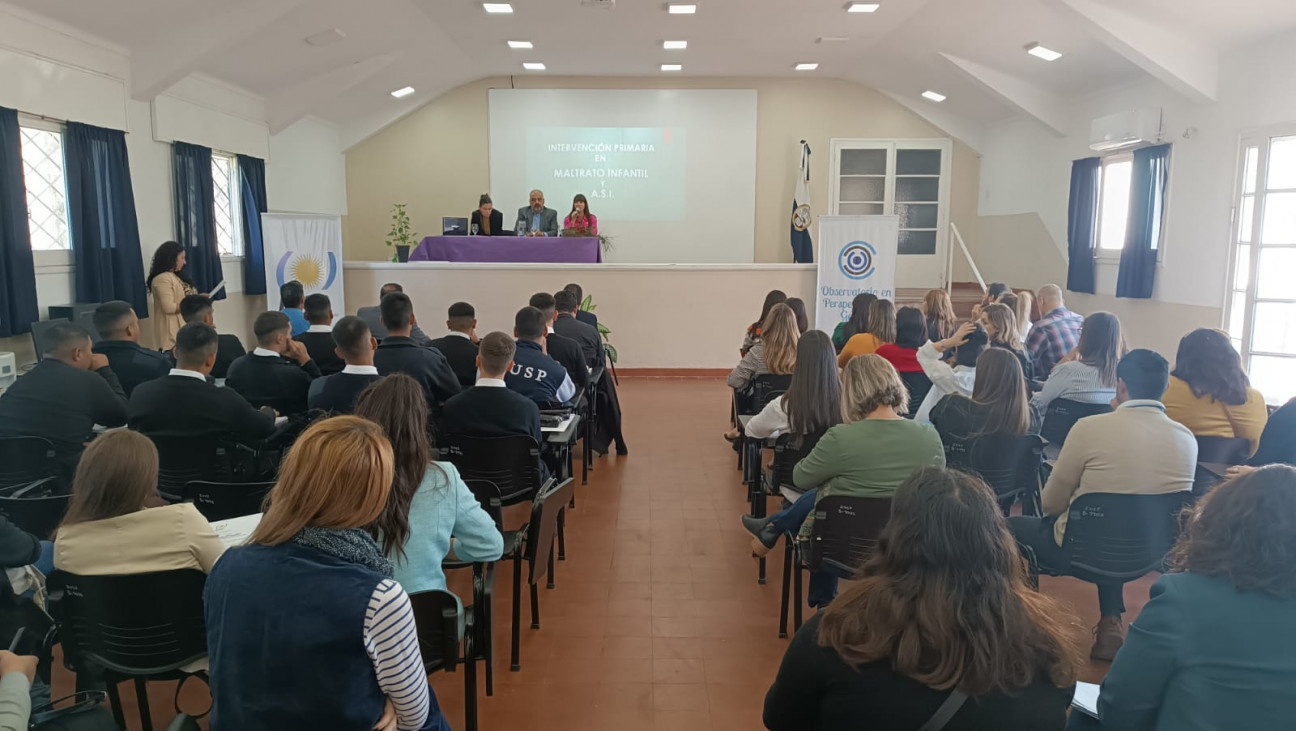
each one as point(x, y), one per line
point(670, 174)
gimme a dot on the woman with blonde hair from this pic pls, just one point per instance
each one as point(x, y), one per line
point(881, 330)
point(313, 589)
point(941, 322)
point(1000, 323)
point(1021, 303)
point(775, 352)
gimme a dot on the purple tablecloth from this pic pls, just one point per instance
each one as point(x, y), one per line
point(509, 249)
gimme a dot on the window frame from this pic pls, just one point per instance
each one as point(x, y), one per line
point(1116, 157)
point(49, 257)
point(235, 207)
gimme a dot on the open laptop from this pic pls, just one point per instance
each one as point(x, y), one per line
point(453, 226)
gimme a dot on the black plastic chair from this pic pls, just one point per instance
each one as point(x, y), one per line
point(844, 533)
point(763, 388)
point(788, 450)
point(37, 508)
point(1223, 450)
point(1061, 415)
point(510, 463)
point(538, 552)
point(483, 606)
point(184, 460)
point(24, 460)
point(1008, 464)
point(438, 616)
point(137, 626)
point(918, 385)
point(225, 500)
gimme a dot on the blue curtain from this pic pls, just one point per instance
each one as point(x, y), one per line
point(101, 217)
point(17, 269)
point(252, 173)
point(1138, 260)
point(195, 214)
point(1082, 223)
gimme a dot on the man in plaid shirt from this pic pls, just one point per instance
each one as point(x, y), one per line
point(1056, 334)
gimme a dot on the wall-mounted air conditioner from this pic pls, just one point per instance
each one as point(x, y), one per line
point(1126, 129)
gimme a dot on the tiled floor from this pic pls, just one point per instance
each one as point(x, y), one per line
point(656, 621)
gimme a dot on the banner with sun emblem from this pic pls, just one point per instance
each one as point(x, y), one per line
point(857, 254)
point(802, 246)
point(307, 248)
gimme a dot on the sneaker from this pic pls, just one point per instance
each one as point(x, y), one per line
point(1109, 635)
point(766, 535)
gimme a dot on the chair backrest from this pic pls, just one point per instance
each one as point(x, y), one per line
point(1062, 414)
point(24, 460)
point(1121, 536)
point(845, 531)
point(37, 508)
point(512, 463)
point(1224, 450)
point(437, 617)
point(133, 624)
point(544, 526)
point(225, 500)
point(786, 455)
point(918, 385)
point(488, 496)
point(766, 387)
point(1009, 464)
point(183, 460)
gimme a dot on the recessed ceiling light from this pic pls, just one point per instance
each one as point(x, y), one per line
point(1039, 51)
point(863, 7)
point(933, 96)
point(497, 8)
point(403, 91)
point(681, 9)
point(533, 66)
point(520, 44)
point(674, 45)
point(671, 67)
point(807, 66)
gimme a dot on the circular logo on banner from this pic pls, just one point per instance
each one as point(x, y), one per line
point(856, 259)
point(801, 217)
point(310, 271)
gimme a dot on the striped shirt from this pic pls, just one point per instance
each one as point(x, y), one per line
point(1076, 381)
point(751, 365)
point(391, 640)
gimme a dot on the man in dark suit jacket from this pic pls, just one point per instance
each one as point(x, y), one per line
point(198, 308)
point(61, 398)
point(460, 346)
point(585, 316)
point(184, 404)
point(536, 220)
point(278, 373)
point(373, 318)
point(119, 331)
point(564, 350)
point(337, 393)
point(534, 374)
point(490, 408)
point(569, 327)
point(398, 353)
point(318, 339)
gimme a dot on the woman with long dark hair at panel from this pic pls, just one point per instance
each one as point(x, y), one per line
point(489, 222)
point(581, 219)
point(775, 352)
point(939, 310)
point(429, 504)
point(857, 323)
point(168, 284)
point(881, 330)
point(773, 297)
point(998, 404)
point(1215, 646)
point(939, 619)
point(1210, 393)
point(1088, 375)
point(1000, 323)
point(798, 307)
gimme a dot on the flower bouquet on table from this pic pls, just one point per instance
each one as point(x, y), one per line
point(584, 232)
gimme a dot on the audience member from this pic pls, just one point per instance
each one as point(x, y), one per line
point(586, 316)
point(565, 350)
point(290, 303)
point(198, 308)
point(168, 284)
point(992, 295)
point(1135, 450)
point(1278, 441)
point(490, 408)
point(1055, 334)
point(881, 330)
point(937, 614)
point(119, 332)
point(183, 404)
point(1021, 303)
point(399, 353)
point(939, 310)
point(17, 675)
point(373, 317)
point(798, 307)
point(311, 558)
point(459, 346)
point(64, 396)
point(337, 394)
point(773, 297)
point(318, 338)
point(1000, 324)
point(429, 503)
point(566, 325)
point(997, 405)
point(856, 323)
point(967, 342)
point(1088, 375)
point(534, 374)
point(812, 402)
point(774, 352)
point(278, 372)
point(1210, 393)
point(109, 528)
point(911, 333)
point(1213, 647)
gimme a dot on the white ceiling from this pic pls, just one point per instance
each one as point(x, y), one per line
point(435, 45)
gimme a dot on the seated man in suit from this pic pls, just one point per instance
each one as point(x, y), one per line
point(373, 317)
point(569, 327)
point(64, 396)
point(278, 372)
point(184, 404)
point(198, 308)
point(534, 374)
point(490, 408)
point(119, 332)
point(337, 393)
point(535, 219)
point(318, 339)
point(398, 353)
point(460, 346)
point(585, 316)
point(290, 303)
point(564, 350)
point(1134, 450)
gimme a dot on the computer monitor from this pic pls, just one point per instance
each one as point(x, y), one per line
point(38, 330)
point(454, 226)
point(86, 320)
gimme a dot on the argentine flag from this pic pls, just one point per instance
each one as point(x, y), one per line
point(802, 247)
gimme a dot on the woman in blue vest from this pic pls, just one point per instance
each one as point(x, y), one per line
point(305, 626)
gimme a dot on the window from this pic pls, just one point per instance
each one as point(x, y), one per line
point(1113, 202)
point(228, 204)
point(47, 216)
point(1261, 307)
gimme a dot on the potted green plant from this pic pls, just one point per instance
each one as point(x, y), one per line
point(402, 236)
point(589, 306)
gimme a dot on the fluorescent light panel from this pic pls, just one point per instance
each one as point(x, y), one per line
point(863, 7)
point(497, 8)
point(933, 96)
point(1039, 51)
point(533, 66)
point(674, 45)
point(403, 91)
point(520, 44)
point(671, 67)
point(681, 9)
point(807, 66)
